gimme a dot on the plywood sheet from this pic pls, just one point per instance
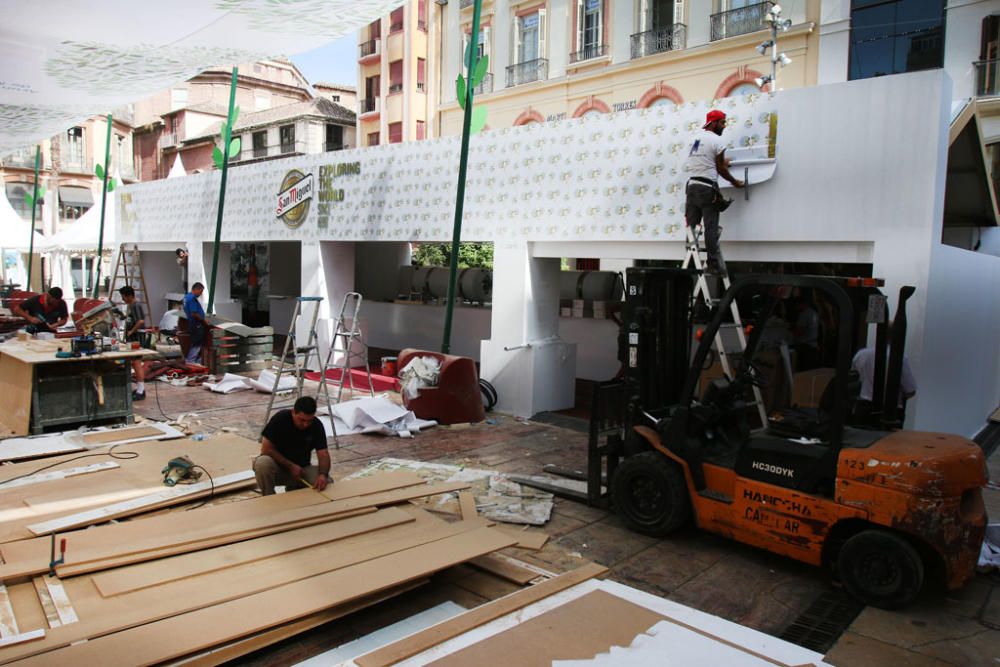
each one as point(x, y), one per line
point(504, 568)
point(577, 630)
point(526, 539)
point(15, 396)
point(120, 434)
point(414, 644)
point(44, 352)
point(220, 607)
point(156, 642)
point(155, 573)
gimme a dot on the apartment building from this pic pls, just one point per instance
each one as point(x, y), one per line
point(569, 58)
point(67, 170)
point(394, 104)
point(344, 95)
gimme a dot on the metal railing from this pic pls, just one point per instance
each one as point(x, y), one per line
point(370, 105)
point(395, 88)
point(333, 146)
point(422, 25)
point(299, 147)
point(25, 159)
point(168, 139)
point(739, 21)
point(421, 86)
point(987, 77)
point(259, 151)
point(671, 38)
point(526, 72)
point(485, 86)
point(396, 27)
point(588, 53)
point(369, 48)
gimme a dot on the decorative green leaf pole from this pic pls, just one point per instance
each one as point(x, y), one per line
point(31, 199)
point(107, 185)
point(221, 159)
point(472, 122)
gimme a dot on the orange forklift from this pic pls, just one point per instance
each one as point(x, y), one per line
point(886, 509)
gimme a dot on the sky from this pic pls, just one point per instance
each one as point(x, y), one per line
point(337, 62)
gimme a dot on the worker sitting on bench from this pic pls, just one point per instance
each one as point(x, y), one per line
point(286, 448)
point(44, 312)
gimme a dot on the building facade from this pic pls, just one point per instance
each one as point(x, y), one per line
point(344, 95)
point(66, 170)
point(569, 58)
point(393, 100)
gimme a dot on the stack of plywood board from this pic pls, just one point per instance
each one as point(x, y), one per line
point(53, 444)
point(576, 621)
point(227, 578)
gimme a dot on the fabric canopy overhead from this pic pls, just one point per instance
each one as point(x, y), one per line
point(81, 235)
point(14, 229)
point(65, 61)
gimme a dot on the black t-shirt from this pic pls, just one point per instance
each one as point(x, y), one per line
point(134, 313)
point(52, 311)
point(294, 444)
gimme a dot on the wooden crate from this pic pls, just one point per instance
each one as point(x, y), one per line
point(231, 353)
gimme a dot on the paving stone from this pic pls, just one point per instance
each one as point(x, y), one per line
point(605, 543)
point(854, 650)
point(982, 648)
point(657, 570)
point(920, 623)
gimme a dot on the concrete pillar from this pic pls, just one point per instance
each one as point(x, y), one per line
point(540, 374)
point(328, 271)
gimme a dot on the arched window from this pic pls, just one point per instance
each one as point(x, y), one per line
point(746, 88)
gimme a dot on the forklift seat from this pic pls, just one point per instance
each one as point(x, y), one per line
point(816, 422)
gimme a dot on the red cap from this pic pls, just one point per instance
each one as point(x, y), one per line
point(713, 116)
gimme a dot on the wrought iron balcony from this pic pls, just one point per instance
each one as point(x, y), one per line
point(740, 21)
point(396, 27)
point(371, 105)
point(331, 146)
point(987, 77)
point(395, 88)
point(369, 48)
point(671, 38)
point(168, 139)
point(421, 87)
point(485, 86)
point(526, 72)
point(24, 159)
point(589, 53)
point(260, 151)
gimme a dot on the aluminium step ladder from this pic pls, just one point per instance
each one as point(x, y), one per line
point(696, 258)
point(295, 360)
point(349, 341)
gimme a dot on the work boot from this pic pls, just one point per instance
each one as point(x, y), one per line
point(138, 396)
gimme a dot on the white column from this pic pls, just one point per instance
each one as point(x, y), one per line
point(328, 271)
point(834, 41)
point(540, 373)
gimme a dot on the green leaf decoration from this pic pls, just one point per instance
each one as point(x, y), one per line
point(217, 157)
point(236, 114)
point(28, 199)
point(467, 61)
point(41, 193)
point(460, 90)
point(478, 119)
point(481, 66)
point(222, 130)
point(112, 182)
point(234, 148)
point(99, 170)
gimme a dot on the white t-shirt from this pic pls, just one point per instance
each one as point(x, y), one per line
point(705, 147)
point(864, 364)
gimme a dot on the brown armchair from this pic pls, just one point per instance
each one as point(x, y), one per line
point(456, 398)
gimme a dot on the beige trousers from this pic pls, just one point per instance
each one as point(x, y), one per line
point(270, 474)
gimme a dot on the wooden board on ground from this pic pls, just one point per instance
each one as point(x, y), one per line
point(240, 612)
point(504, 568)
point(15, 396)
point(421, 641)
point(467, 503)
point(54, 444)
point(120, 434)
point(526, 539)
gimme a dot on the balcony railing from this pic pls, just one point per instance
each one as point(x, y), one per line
point(421, 87)
point(24, 159)
point(462, 4)
point(371, 105)
point(396, 27)
point(369, 48)
point(422, 24)
point(987, 77)
point(589, 53)
point(526, 72)
point(485, 86)
point(168, 139)
point(328, 146)
point(658, 40)
point(739, 21)
point(395, 88)
point(260, 151)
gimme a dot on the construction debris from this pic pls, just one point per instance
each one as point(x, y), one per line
point(496, 496)
point(374, 415)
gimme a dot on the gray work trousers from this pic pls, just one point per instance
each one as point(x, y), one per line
point(270, 473)
point(701, 207)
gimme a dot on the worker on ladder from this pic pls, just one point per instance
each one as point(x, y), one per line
point(706, 162)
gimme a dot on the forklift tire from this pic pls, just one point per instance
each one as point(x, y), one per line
point(881, 568)
point(650, 494)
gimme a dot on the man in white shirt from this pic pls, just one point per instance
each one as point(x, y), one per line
point(706, 162)
point(864, 364)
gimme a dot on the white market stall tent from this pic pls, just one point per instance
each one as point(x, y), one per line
point(15, 239)
point(80, 239)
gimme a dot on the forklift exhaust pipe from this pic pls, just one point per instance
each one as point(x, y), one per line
point(897, 346)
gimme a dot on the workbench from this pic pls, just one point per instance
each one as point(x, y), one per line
point(39, 391)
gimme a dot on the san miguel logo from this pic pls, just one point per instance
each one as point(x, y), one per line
point(293, 199)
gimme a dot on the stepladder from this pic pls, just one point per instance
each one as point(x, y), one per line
point(128, 272)
point(299, 357)
point(349, 345)
point(696, 258)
